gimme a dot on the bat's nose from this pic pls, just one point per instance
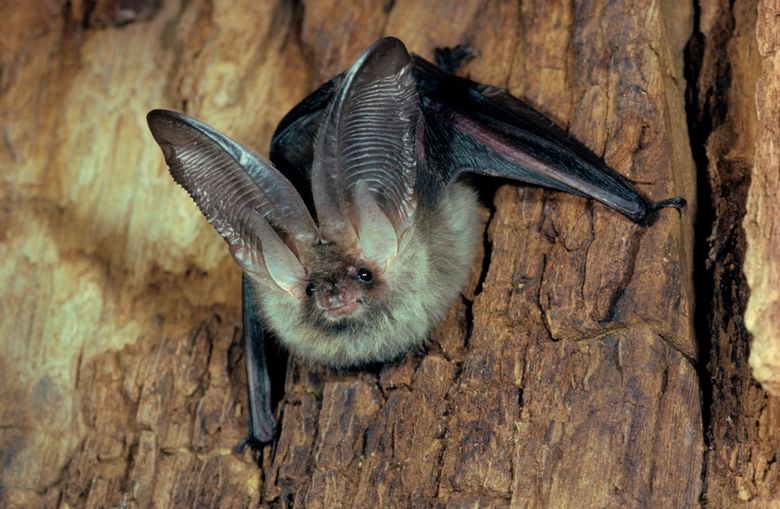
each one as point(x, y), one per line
point(338, 301)
point(334, 300)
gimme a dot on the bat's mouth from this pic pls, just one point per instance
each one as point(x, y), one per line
point(341, 311)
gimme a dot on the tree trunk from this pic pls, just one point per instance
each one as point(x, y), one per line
point(568, 375)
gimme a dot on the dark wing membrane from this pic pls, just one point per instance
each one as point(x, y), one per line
point(262, 423)
point(481, 129)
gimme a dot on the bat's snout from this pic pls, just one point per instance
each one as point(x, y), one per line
point(338, 301)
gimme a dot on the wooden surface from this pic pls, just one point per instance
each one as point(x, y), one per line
point(743, 419)
point(566, 376)
point(762, 221)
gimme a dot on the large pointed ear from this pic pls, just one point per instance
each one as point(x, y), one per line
point(365, 164)
point(252, 206)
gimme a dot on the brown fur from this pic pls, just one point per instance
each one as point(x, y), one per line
point(402, 304)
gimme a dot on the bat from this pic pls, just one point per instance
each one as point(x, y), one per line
point(356, 240)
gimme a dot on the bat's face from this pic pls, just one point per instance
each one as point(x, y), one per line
point(341, 287)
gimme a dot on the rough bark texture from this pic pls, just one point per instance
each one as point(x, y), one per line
point(728, 140)
point(762, 221)
point(568, 374)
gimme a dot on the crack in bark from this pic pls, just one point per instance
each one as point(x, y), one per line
point(540, 304)
point(700, 127)
point(635, 240)
point(584, 265)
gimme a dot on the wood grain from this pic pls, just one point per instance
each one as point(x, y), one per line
point(564, 377)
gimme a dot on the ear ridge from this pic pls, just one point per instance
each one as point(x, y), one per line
point(241, 195)
point(369, 135)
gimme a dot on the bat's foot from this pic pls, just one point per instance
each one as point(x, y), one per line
point(258, 437)
point(254, 444)
point(451, 59)
point(678, 202)
point(651, 211)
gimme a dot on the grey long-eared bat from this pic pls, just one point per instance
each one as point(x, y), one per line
point(359, 236)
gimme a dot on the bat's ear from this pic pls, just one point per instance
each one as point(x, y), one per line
point(255, 209)
point(365, 156)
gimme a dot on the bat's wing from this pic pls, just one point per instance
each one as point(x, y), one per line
point(481, 129)
point(474, 128)
point(262, 424)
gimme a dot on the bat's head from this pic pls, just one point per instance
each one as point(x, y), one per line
point(340, 288)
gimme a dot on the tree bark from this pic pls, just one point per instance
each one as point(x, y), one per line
point(734, 124)
point(567, 375)
point(763, 213)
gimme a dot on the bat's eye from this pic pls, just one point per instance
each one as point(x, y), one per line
point(310, 289)
point(365, 276)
